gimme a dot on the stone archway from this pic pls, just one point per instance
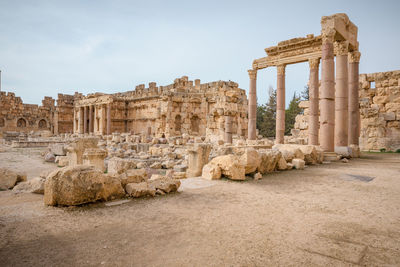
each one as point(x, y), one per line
point(2, 122)
point(42, 124)
point(194, 124)
point(21, 123)
point(178, 123)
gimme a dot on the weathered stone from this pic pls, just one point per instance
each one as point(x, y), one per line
point(58, 149)
point(231, 167)
point(198, 157)
point(133, 176)
point(9, 178)
point(282, 164)
point(76, 185)
point(257, 176)
point(49, 157)
point(269, 160)
point(35, 185)
point(95, 157)
point(76, 149)
point(165, 184)
point(118, 165)
point(211, 172)
point(251, 160)
point(298, 164)
point(140, 190)
point(289, 151)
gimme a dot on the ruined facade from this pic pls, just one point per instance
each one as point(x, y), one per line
point(217, 110)
point(338, 104)
point(15, 116)
point(379, 104)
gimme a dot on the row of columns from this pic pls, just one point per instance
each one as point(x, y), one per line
point(87, 119)
point(335, 113)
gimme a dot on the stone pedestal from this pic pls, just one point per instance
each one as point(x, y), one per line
point(313, 121)
point(198, 157)
point(341, 95)
point(76, 149)
point(327, 94)
point(354, 111)
point(280, 105)
point(95, 157)
point(252, 108)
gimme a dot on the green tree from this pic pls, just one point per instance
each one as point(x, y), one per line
point(305, 94)
point(291, 112)
point(266, 115)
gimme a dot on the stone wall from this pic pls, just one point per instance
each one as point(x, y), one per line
point(379, 111)
point(15, 116)
point(184, 107)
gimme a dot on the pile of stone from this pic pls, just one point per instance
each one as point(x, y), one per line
point(249, 161)
point(81, 184)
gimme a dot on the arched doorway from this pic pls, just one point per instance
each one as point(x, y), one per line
point(21, 123)
point(42, 124)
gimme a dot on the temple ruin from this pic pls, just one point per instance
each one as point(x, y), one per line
point(338, 104)
point(49, 118)
point(217, 110)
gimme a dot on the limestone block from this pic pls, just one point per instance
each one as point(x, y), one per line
point(165, 184)
point(35, 185)
point(198, 157)
point(231, 167)
point(381, 99)
point(133, 176)
point(389, 116)
point(58, 149)
point(95, 157)
point(211, 172)
point(282, 164)
point(251, 160)
point(9, 178)
point(289, 151)
point(298, 164)
point(269, 160)
point(76, 185)
point(139, 190)
point(119, 165)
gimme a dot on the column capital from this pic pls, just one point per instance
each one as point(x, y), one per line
point(252, 74)
point(328, 35)
point(354, 56)
point(281, 69)
point(313, 63)
point(341, 48)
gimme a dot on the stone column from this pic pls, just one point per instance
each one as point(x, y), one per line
point(280, 105)
point(313, 95)
point(102, 120)
point(74, 122)
point(108, 118)
point(85, 118)
point(228, 129)
point(81, 120)
point(354, 111)
point(341, 94)
point(91, 119)
point(328, 93)
point(252, 134)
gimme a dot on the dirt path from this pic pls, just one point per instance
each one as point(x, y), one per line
point(28, 160)
point(324, 215)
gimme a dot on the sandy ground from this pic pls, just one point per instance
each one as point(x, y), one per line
point(321, 216)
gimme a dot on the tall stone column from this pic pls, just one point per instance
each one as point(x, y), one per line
point(228, 129)
point(354, 111)
point(102, 120)
point(252, 134)
point(81, 121)
point(313, 91)
point(328, 93)
point(85, 119)
point(341, 94)
point(90, 119)
point(108, 118)
point(280, 105)
point(74, 122)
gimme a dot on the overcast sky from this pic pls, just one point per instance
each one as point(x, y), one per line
point(50, 47)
